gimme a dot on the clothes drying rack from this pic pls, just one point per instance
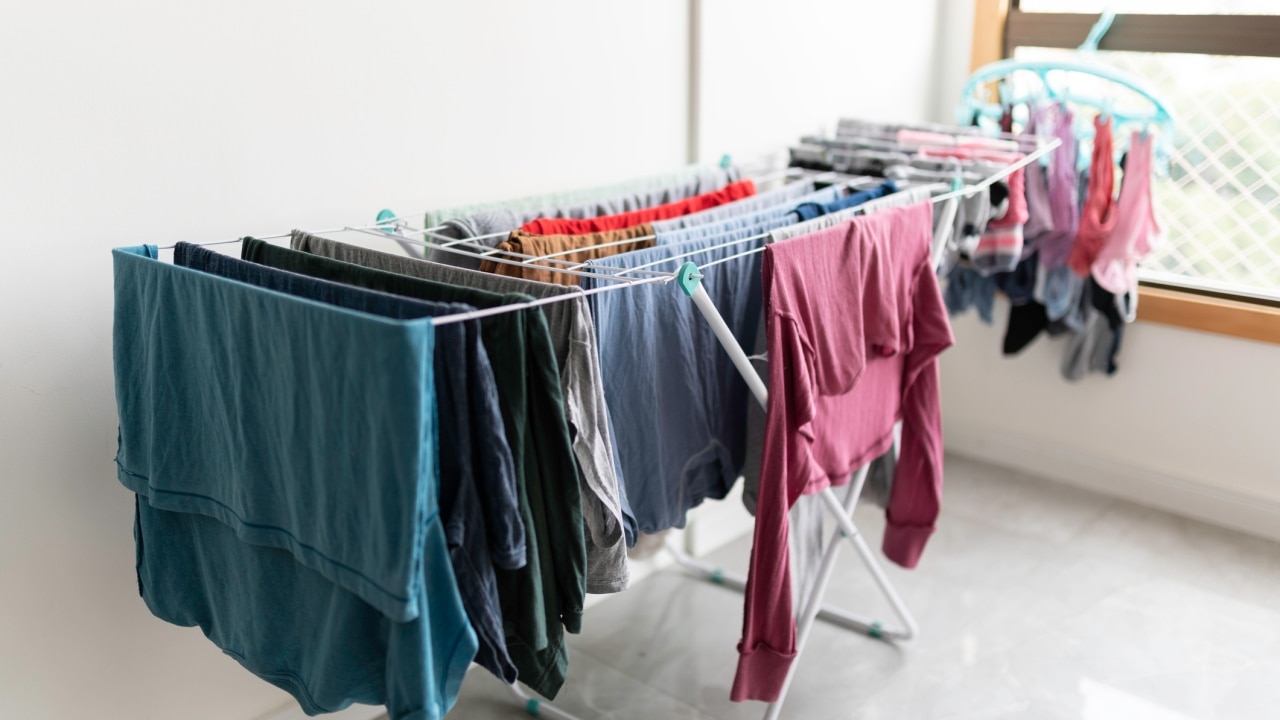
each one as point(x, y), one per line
point(687, 277)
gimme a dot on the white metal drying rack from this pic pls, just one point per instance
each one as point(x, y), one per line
point(687, 278)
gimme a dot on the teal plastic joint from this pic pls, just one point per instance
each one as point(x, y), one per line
point(385, 215)
point(717, 576)
point(687, 278)
point(531, 707)
point(725, 161)
point(876, 630)
point(956, 184)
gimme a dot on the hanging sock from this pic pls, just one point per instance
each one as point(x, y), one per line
point(1026, 321)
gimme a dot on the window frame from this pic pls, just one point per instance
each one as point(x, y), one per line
point(1000, 26)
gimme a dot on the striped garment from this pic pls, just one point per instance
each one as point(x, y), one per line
point(1000, 246)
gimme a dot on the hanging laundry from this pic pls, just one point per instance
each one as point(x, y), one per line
point(1063, 193)
point(1098, 216)
point(760, 220)
point(1039, 205)
point(568, 226)
point(810, 210)
point(489, 223)
point(260, 488)
point(549, 591)
point(196, 569)
point(756, 414)
point(968, 288)
point(574, 339)
point(738, 208)
point(1136, 230)
point(677, 403)
point(860, 377)
point(1000, 245)
point(572, 249)
point(630, 195)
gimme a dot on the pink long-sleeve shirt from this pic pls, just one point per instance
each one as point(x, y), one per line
point(854, 323)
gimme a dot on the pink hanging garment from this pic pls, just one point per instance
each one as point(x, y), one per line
point(1055, 247)
point(855, 323)
point(1136, 229)
point(907, 136)
point(971, 153)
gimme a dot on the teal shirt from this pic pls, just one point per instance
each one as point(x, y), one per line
point(203, 360)
point(227, 401)
point(546, 597)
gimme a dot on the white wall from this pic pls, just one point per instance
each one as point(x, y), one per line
point(773, 71)
point(1188, 424)
point(149, 121)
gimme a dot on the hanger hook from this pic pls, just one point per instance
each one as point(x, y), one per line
point(1099, 29)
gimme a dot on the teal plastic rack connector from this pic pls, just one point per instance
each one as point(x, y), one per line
point(717, 576)
point(725, 161)
point(385, 215)
point(687, 278)
point(876, 629)
point(531, 707)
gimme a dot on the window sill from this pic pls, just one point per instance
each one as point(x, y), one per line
point(1193, 311)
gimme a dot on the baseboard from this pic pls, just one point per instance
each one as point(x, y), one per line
point(1215, 505)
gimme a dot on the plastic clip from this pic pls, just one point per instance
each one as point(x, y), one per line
point(385, 215)
point(687, 278)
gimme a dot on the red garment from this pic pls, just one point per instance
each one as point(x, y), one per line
point(1136, 230)
point(621, 221)
point(1098, 216)
point(855, 323)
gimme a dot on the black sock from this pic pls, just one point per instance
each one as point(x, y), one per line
point(1026, 321)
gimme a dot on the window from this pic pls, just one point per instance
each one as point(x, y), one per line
point(1218, 64)
point(1152, 7)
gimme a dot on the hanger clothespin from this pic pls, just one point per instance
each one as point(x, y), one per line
point(1108, 108)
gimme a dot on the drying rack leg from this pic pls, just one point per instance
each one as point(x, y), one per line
point(813, 608)
point(810, 611)
point(909, 627)
point(539, 708)
point(831, 614)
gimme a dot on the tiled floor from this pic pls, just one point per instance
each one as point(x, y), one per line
point(1035, 601)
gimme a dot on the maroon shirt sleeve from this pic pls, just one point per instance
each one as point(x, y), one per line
point(917, 485)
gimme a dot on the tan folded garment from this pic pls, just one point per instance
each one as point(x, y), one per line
point(592, 246)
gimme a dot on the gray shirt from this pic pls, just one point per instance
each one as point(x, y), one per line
point(574, 339)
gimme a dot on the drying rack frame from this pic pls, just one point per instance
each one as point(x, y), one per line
point(812, 607)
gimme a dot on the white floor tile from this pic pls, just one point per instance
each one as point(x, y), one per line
point(1036, 601)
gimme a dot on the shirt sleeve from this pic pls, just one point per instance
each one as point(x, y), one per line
point(506, 530)
point(562, 494)
point(917, 485)
point(768, 644)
